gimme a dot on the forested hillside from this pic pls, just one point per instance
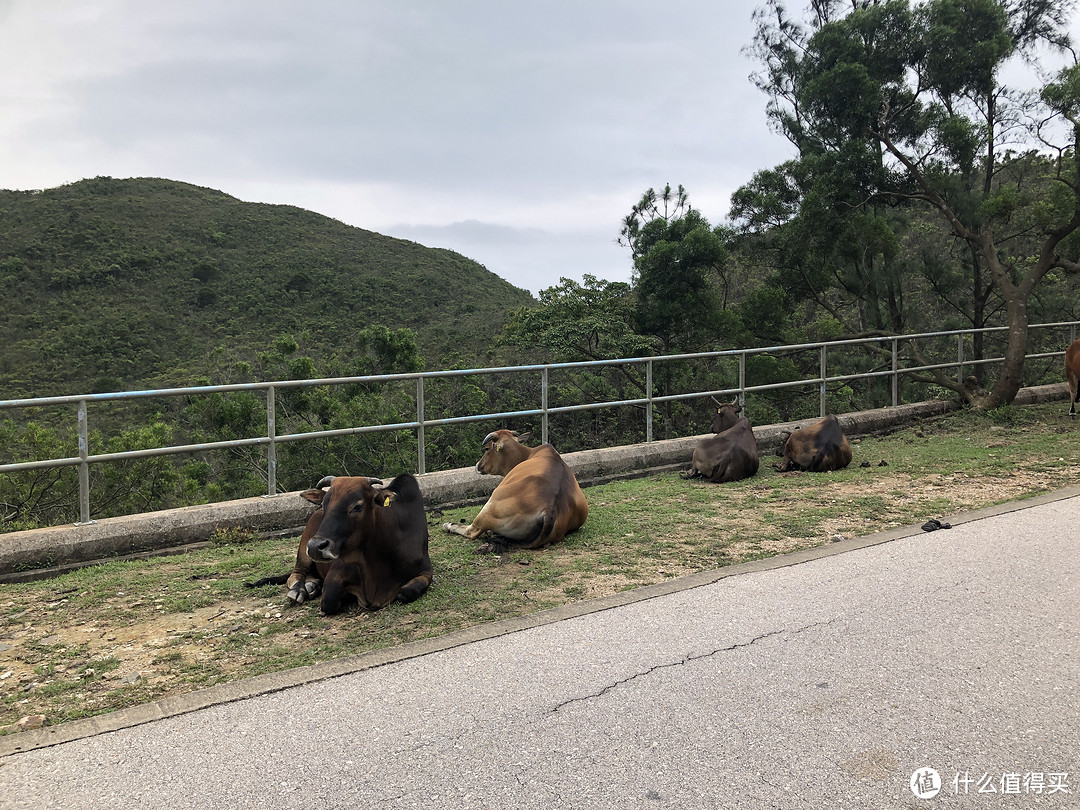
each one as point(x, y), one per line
point(116, 284)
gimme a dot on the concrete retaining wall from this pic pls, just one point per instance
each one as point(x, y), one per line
point(29, 554)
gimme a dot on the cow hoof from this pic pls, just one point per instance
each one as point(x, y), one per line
point(297, 595)
point(496, 545)
point(313, 589)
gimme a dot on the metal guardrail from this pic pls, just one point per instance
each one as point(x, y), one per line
point(272, 439)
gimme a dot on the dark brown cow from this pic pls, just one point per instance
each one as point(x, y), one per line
point(537, 502)
point(730, 455)
point(1072, 374)
point(818, 448)
point(366, 542)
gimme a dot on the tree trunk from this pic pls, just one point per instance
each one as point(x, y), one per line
point(1012, 370)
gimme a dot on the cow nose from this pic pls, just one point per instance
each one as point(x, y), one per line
point(480, 466)
point(318, 548)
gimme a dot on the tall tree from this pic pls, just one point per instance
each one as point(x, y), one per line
point(917, 91)
point(676, 254)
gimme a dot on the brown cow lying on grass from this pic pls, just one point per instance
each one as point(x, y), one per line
point(819, 448)
point(730, 455)
point(537, 502)
point(366, 543)
point(1072, 374)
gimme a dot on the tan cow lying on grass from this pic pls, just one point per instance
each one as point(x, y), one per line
point(537, 502)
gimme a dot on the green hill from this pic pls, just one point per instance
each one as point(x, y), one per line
point(119, 284)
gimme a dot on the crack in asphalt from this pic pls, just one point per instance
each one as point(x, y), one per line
point(684, 661)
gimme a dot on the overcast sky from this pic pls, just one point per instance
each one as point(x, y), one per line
point(517, 133)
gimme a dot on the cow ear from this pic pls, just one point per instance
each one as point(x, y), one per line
point(385, 497)
point(524, 437)
point(313, 495)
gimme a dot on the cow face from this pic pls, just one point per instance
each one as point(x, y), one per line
point(349, 506)
point(727, 414)
point(503, 450)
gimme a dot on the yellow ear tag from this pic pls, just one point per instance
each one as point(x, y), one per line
point(387, 501)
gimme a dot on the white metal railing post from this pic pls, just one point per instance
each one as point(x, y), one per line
point(960, 358)
point(648, 401)
point(823, 381)
point(895, 375)
point(742, 379)
point(84, 467)
point(271, 447)
point(544, 405)
point(421, 454)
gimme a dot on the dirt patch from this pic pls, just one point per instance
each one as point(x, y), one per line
point(94, 660)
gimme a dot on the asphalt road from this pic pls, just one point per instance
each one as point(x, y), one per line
point(823, 684)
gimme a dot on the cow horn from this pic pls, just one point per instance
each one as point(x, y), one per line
point(375, 482)
point(488, 438)
point(325, 482)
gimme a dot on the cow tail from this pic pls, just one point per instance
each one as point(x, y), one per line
point(549, 522)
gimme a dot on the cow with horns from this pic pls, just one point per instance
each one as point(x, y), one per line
point(730, 455)
point(537, 502)
point(366, 543)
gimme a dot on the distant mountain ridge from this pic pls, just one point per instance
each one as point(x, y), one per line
point(114, 284)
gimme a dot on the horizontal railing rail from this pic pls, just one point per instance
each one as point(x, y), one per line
point(888, 346)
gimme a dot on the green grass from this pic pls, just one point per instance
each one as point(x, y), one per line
point(184, 623)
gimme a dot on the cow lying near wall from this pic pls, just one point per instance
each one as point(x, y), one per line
point(366, 543)
point(730, 455)
point(1072, 374)
point(819, 448)
point(537, 502)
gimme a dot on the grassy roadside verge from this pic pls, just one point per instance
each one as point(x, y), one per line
point(125, 633)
